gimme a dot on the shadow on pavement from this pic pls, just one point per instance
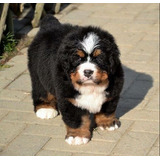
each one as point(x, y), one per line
point(136, 87)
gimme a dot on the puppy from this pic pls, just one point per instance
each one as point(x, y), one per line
point(75, 71)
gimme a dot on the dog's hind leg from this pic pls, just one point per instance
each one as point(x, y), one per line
point(44, 102)
point(47, 109)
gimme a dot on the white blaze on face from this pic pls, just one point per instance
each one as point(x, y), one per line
point(89, 43)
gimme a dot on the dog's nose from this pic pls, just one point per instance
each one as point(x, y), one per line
point(88, 72)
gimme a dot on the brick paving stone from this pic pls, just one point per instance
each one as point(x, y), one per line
point(3, 113)
point(1, 148)
point(8, 131)
point(4, 82)
point(134, 7)
point(124, 49)
point(20, 59)
point(143, 115)
point(22, 83)
point(157, 142)
point(78, 13)
point(128, 38)
point(26, 72)
point(116, 30)
point(96, 147)
point(135, 144)
point(144, 21)
point(142, 67)
point(143, 126)
point(154, 30)
point(131, 57)
point(152, 36)
point(93, 22)
point(100, 7)
point(112, 136)
point(25, 145)
point(153, 104)
point(86, 154)
point(72, 21)
point(63, 153)
point(147, 47)
point(53, 153)
point(137, 28)
point(24, 51)
point(149, 15)
point(154, 151)
point(14, 71)
point(30, 118)
point(16, 105)
point(33, 32)
point(115, 21)
point(12, 95)
point(46, 130)
point(28, 98)
point(116, 12)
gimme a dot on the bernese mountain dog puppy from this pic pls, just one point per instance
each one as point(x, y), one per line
point(75, 71)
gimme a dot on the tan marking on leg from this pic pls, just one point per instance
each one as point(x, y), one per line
point(105, 121)
point(48, 102)
point(82, 131)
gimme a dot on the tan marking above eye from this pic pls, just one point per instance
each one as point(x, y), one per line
point(97, 52)
point(80, 53)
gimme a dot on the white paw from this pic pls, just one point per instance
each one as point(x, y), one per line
point(111, 128)
point(76, 140)
point(46, 113)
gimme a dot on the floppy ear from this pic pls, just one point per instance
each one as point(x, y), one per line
point(114, 62)
point(63, 59)
point(64, 62)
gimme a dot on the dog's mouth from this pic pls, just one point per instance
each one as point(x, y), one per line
point(90, 80)
point(92, 75)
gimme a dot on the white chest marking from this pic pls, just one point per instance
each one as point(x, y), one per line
point(91, 98)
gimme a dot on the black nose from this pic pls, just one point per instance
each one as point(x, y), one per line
point(88, 72)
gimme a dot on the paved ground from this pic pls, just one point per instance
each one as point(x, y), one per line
point(135, 27)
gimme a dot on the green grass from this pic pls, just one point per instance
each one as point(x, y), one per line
point(11, 48)
point(2, 67)
point(9, 43)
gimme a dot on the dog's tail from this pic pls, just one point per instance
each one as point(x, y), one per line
point(48, 22)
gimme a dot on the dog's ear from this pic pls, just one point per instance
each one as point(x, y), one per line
point(64, 63)
point(114, 62)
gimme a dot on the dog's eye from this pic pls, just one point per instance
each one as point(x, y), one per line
point(76, 58)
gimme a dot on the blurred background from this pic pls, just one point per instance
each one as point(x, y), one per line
point(17, 19)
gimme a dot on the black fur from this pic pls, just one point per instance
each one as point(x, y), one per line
point(51, 59)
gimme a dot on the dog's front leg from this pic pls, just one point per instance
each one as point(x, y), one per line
point(80, 135)
point(78, 123)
